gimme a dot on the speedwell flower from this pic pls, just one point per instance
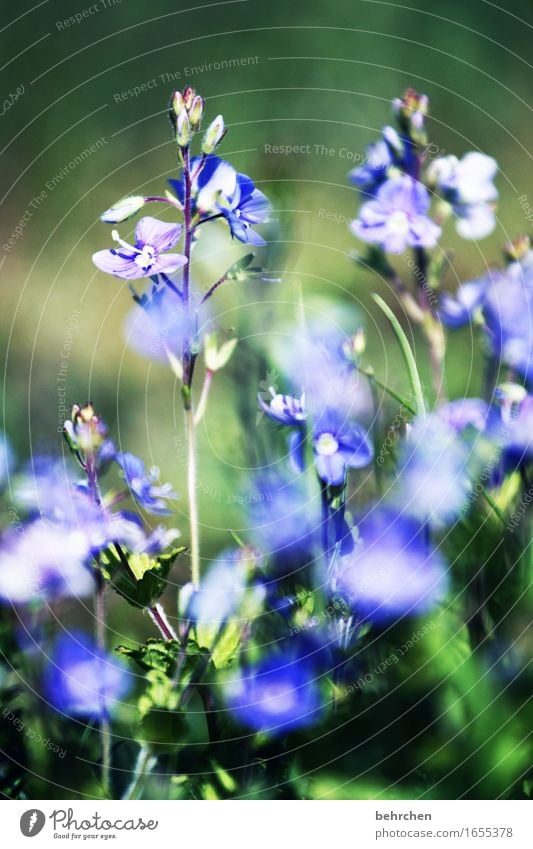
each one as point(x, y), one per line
point(392, 571)
point(219, 190)
point(142, 484)
point(83, 680)
point(467, 184)
point(146, 257)
point(396, 219)
point(285, 409)
point(338, 445)
point(277, 695)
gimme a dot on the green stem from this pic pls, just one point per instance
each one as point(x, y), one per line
point(408, 355)
point(194, 523)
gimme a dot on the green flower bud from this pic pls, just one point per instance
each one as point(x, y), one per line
point(123, 209)
point(183, 130)
point(213, 135)
point(196, 112)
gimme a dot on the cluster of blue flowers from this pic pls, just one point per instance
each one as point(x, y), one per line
point(344, 535)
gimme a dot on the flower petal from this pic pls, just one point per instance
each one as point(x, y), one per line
point(118, 264)
point(157, 234)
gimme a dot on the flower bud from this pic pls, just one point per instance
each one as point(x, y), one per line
point(183, 130)
point(213, 135)
point(123, 209)
point(189, 94)
point(176, 106)
point(85, 431)
point(410, 111)
point(196, 112)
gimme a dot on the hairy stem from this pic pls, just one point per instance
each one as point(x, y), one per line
point(188, 367)
point(194, 523)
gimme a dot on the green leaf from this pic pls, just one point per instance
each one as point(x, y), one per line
point(224, 648)
point(408, 355)
point(149, 578)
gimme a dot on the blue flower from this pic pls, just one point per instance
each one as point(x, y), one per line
point(142, 484)
point(245, 207)
point(337, 445)
point(218, 189)
point(159, 326)
point(456, 311)
point(83, 680)
point(467, 184)
point(146, 257)
point(503, 300)
point(396, 219)
point(373, 172)
point(277, 695)
point(393, 571)
point(44, 562)
point(434, 472)
point(464, 413)
point(284, 523)
point(285, 409)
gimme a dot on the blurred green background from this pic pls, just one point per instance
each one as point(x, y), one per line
point(317, 75)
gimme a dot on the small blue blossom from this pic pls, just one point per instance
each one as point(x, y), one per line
point(374, 170)
point(147, 257)
point(285, 409)
point(83, 680)
point(142, 484)
point(159, 326)
point(434, 472)
point(277, 695)
point(393, 571)
point(218, 189)
point(467, 184)
point(284, 524)
point(464, 413)
point(460, 309)
point(503, 301)
point(396, 219)
point(44, 562)
point(337, 445)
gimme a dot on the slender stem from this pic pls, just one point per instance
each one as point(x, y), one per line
point(188, 366)
point(193, 497)
point(159, 199)
point(145, 763)
point(202, 403)
point(159, 618)
point(431, 325)
point(104, 724)
point(187, 220)
point(100, 625)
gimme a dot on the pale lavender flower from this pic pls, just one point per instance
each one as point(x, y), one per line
point(146, 257)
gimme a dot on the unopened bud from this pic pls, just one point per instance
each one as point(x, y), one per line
point(213, 135)
point(196, 112)
point(183, 130)
point(189, 94)
point(123, 209)
point(176, 106)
